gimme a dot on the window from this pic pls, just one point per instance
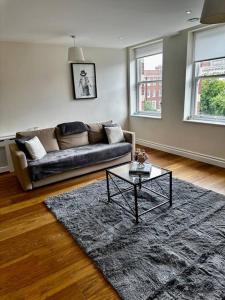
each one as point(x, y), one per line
point(160, 93)
point(208, 91)
point(149, 79)
point(154, 93)
point(154, 104)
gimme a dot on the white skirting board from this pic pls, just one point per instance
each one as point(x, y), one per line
point(182, 152)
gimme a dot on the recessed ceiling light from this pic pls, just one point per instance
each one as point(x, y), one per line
point(188, 12)
point(193, 20)
point(121, 38)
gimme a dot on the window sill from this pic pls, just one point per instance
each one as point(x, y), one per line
point(207, 122)
point(146, 116)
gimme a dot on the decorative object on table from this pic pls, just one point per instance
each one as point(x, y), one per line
point(137, 171)
point(136, 154)
point(140, 156)
point(171, 254)
point(75, 54)
point(84, 80)
point(213, 12)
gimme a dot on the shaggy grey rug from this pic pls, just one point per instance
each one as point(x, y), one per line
point(173, 253)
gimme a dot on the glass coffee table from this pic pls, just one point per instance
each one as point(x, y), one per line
point(137, 182)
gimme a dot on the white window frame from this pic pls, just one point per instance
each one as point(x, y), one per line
point(208, 118)
point(135, 96)
point(191, 85)
point(138, 83)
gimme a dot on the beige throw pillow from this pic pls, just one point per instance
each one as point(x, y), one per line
point(72, 140)
point(114, 134)
point(35, 148)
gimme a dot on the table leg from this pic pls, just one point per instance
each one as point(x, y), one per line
point(139, 181)
point(171, 192)
point(107, 181)
point(136, 203)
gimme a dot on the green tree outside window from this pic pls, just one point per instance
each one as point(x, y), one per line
point(212, 100)
point(148, 106)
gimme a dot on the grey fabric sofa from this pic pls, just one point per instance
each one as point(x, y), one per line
point(69, 156)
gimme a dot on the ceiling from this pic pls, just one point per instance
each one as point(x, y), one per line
point(97, 23)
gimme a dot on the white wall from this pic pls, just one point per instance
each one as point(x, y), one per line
point(208, 140)
point(36, 90)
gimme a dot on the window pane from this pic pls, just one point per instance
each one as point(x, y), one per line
point(210, 97)
point(150, 97)
point(210, 67)
point(149, 68)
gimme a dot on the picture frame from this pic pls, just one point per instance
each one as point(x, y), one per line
point(84, 81)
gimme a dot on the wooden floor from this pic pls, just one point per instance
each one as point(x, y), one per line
point(40, 260)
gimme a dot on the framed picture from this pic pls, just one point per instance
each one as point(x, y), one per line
point(84, 80)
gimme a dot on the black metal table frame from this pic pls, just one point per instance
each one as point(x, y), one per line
point(135, 186)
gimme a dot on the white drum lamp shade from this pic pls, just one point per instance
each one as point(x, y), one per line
point(75, 54)
point(213, 12)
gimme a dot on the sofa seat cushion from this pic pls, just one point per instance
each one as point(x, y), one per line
point(69, 159)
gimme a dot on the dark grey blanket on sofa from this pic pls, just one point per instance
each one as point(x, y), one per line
point(64, 160)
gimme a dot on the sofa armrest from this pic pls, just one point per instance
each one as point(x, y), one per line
point(20, 166)
point(130, 138)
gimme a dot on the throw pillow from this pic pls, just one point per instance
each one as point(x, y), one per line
point(114, 134)
point(72, 128)
point(21, 145)
point(110, 125)
point(72, 140)
point(35, 148)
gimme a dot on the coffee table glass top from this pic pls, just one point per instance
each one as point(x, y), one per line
point(123, 173)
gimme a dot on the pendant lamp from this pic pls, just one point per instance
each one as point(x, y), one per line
point(213, 12)
point(75, 54)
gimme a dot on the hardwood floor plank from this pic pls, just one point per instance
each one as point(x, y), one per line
point(19, 202)
point(17, 225)
point(23, 244)
point(48, 285)
point(70, 292)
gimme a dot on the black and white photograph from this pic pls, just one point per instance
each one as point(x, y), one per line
point(84, 80)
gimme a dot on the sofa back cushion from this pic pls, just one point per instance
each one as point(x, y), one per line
point(72, 140)
point(46, 136)
point(96, 133)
